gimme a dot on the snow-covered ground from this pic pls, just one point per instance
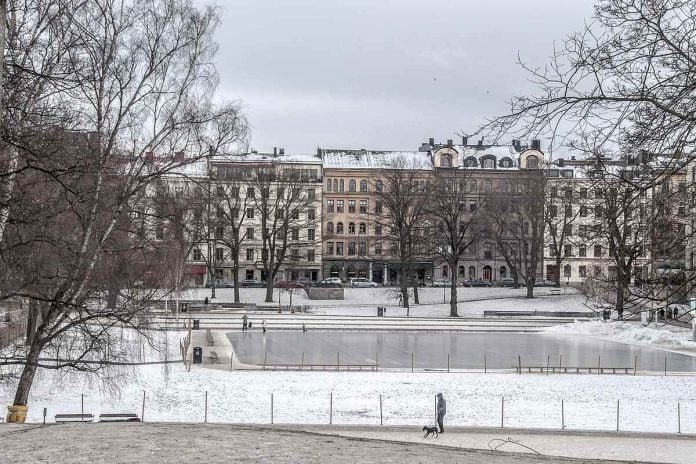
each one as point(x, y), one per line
point(172, 394)
point(434, 301)
point(633, 332)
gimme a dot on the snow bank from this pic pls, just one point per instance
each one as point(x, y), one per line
point(629, 332)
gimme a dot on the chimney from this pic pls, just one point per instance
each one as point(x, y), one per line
point(480, 142)
point(465, 140)
point(431, 141)
point(516, 144)
point(449, 143)
point(281, 151)
point(536, 144)
point(275, 151)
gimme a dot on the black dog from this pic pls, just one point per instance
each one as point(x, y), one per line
point(430, 431)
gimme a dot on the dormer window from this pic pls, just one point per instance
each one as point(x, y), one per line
point(446, 161)
point(505, 163)
point(471, 162)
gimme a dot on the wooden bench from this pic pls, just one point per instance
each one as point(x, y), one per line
point(576, 369)
point(62, 418)
point(119, 417)
point(213, 357)
point(209, 337)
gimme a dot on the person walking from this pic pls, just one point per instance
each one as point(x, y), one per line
point(441, 411)
point(245, 320)
point(263, 325)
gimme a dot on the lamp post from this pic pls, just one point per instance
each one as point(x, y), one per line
point(693, 319)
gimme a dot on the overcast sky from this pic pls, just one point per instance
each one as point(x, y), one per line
point(381, 74)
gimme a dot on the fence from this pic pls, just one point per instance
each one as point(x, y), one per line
point(391, 409)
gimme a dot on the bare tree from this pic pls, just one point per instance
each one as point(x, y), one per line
point(403, 191)
point(138, 82)
point(455, 213)
point(561, 212)
point(515, 220)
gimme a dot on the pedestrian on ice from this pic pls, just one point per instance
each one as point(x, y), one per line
point(304, 329)
point(206, 301)
point(263, 325)
point(441, 411)
point(245, 320)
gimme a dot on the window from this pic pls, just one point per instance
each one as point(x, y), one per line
point(582, 271)
point(566, 270)
point(363, 207)
point(295, 214)
point(329, 248)
point(340, 186)
point(249, 254)
point(351, 206)
point(335, 185)
point(339, 227)
point(379, 186)
point(472, 206)
point(568, 192)
point(598, 211)
point(310, 234)
point(378, 248)
point(568, 211)
point(363, 185)
point(310, 256)
point(583, 193)
point(235, 213)
point(311, 214)
point(351, 248)
point(583, 211)
point(219, 190)
point(351, 228)
point(682, 210)
point(553, 211)
point(532, 162)
point(362, 228)
point(219, 254)
point(280, 193)
point(328, 185)
point(582, 251)
point(554, 192)
point(295, 253)
point(197, 255)
point(219, 232)
point(159, 232)
point(378, 229)
point(329, 228)
point(339, 248)
point(250, 192)
point(489, 163)
point(597, 251)
point(351, 186)
point(362, 248)
point(329, 206)
point(339, 206)
point(445, 161)
point(568, 230)
point(250, 213)
point(552, 250)
point(250, 233)
point(295, 234)
point(234, 192)
point(220, 213)
point(311, 194)
point(598, 193)
point(378, 207)
point(567, 251)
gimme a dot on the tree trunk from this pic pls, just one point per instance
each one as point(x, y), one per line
point(558, 270)
point(27, 378)
point(530, 289)
point(269, 287)
point(453, 297)
point(235, 277)
point(416, 299)
point(33, 321)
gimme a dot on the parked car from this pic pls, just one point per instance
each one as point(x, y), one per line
point(442, 283)
point(252, 283)
point(478, 283)
point(362, 282)
point(330, 282)
point(544, 283)
point(288, 284)
point(305, 282)
point(220, 284)
point(505, 282)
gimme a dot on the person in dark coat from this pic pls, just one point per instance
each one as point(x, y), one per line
point(441, 411)
point(244, 322)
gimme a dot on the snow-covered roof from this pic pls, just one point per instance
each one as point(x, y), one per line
point(371, 159)
point(254, 157)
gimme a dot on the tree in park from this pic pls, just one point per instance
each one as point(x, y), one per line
point(100, 94)
point(403, 191)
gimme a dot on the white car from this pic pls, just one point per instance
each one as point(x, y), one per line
point(362, 282)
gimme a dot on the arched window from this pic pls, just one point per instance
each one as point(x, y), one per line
point(339, 227)
point(487, 186)
point(446, 162)
point(532, 162)
point(505, 163)
point(472, 272)
point(340, 186)
point(445, 270)
point(473, 186)
point(503, 272)
point(379, 186)
point(335, 185)
point(461, 272)
point(351, 271)
point(363, 185)
point(489, 162)
point(470, 162)
point(328, 185)
point(351, 186)
point(362, 228)
point(351, 228)
point(329, 227)
point(334, 271)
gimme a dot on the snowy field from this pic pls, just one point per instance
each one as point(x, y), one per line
point(174, 395)
point(434, 301)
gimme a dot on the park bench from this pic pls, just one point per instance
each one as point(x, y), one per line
point(213, 357)
point(119, 417)
point(209, 337)
point(62, 418)
point(555, 291)
point(577, 369)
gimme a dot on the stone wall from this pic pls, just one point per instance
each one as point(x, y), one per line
point(318, 293)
